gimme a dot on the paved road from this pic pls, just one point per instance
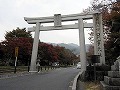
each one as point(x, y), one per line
point(59, 79)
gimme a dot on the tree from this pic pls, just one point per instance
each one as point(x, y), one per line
point(111, 21)
point(47, 53)
point(65, 56)
point(18, 33)
point(1, 51)
point(17, 38)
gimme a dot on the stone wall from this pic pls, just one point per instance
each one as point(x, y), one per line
point(112, 81)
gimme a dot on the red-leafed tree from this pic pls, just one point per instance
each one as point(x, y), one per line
point(17, 38)
point(65, 56)
point(47, 54)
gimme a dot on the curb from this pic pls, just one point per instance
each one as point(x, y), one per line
point(75, 81)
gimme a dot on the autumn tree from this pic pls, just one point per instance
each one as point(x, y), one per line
point(2, 62)
point(65, 56)
point(110, 10)
point(17, 38)
point(47, 54)
point(111, 19)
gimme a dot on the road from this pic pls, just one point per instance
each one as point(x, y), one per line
point(58, 79)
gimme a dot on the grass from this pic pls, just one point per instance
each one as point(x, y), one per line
point(95, 85)
point(10, 69)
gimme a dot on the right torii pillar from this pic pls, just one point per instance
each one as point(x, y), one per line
point(98, 37)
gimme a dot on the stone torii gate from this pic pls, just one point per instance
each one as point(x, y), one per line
point(57, 19)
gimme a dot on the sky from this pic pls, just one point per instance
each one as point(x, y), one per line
point(12, 13)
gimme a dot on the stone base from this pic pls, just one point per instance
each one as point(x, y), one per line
point(116, 66)
point(114, 74)
point(32, 71)
point(104, 86)
point(112, 81)
point(113, 68)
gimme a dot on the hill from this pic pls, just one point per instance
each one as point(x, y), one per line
point(73, 47)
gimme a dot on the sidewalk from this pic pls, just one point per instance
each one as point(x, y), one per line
point(23, 73)
point(10, 75)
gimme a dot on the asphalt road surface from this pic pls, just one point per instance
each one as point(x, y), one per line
point(58, 79)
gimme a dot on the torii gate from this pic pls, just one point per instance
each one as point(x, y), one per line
point(57, 19)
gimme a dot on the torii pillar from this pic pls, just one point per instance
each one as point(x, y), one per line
point(82, 44)
point(35, 49)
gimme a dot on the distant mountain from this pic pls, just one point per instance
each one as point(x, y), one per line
point(73, 47)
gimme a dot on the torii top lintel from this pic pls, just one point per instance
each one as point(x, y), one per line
point(70, 17)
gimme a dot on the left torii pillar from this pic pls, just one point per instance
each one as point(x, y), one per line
point(35, 48)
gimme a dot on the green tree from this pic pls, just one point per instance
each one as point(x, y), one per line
point(18, 33)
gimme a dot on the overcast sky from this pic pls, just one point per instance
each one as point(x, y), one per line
point(12, 13)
